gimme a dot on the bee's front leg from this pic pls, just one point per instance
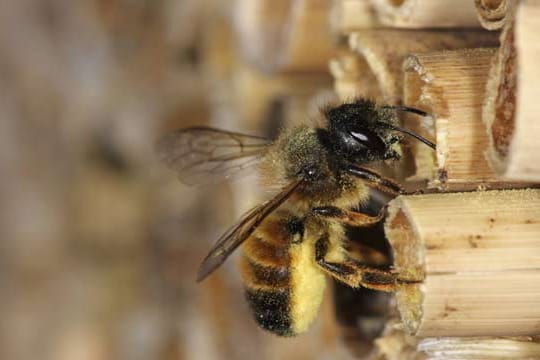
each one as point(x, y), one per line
point(354, 274)
point(348, 217)
point(375, 180)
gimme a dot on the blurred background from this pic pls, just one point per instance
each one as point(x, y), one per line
point(99, 242)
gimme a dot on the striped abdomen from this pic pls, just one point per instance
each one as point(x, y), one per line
point(283, 285)
point(265, 272)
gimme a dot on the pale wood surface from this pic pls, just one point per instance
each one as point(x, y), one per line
point(449, 85)
point(474, 348)
point(477, 256)
point(523, 162)
point(384, 51)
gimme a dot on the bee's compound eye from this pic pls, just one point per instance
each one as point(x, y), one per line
point(368, 140)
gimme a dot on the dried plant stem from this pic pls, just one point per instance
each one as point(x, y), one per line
point(473, 348)
point(384, 51)
point(353, 78)
point(255, 93)
point(395, 344)
point(477, 259)
point(450, 86)
point(350, 15)
point(493, 14)
point(286, 35)
point(511, 109)
point(353, 15)
point(426, 13)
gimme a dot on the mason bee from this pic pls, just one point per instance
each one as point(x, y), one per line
point(292, 241)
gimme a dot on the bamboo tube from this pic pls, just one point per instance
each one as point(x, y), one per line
point(350, 15)
point(476, 257)
point(426, 13)
point(384, 51)
point(493, 14)
point(255, 92)
point(395, 344)
point(243, 91)
point(285, 35)
point(498, 111)
point(450, 85)
point(511, 109)
point(480, 348)
point(353, 78)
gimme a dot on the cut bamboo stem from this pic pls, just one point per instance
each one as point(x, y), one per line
point(493, 14)
point(384, 51)
point(353, 78)
point(285, 35)
point(450, 86)
point(476, 258)
point(426, 13)
point(254, 93)
point(474, 348)
point(498, 112)
point(395, 344)
point(511, 108)
point(351, 15)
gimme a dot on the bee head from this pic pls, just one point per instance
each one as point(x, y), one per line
point(355, 133)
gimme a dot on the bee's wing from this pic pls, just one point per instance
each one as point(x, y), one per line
point(237, 234)
point(202, 155)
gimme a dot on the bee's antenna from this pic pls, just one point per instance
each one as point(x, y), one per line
point(406, 109)
point(405, 131)
point(410, 133)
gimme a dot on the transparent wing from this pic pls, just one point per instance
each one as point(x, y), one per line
point(202, 155)
point(236, 235)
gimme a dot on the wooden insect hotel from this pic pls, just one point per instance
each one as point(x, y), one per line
point(470, 241)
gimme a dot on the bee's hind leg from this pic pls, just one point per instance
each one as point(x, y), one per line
point(353, 274)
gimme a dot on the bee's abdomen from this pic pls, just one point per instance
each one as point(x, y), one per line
point(271, 310)
point(265, 271)
point(266, 260)
point(260, 277)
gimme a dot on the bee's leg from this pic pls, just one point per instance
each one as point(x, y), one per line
point(366, 255)
point(375, 180)
point(348, 217)
point(354, 274)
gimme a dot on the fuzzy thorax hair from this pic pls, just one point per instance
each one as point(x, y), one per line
point(318, 152)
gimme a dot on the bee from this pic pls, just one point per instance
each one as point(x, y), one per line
point(294, 240)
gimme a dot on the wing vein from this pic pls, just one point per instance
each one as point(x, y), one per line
point(240, 232)
point(205, 155)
